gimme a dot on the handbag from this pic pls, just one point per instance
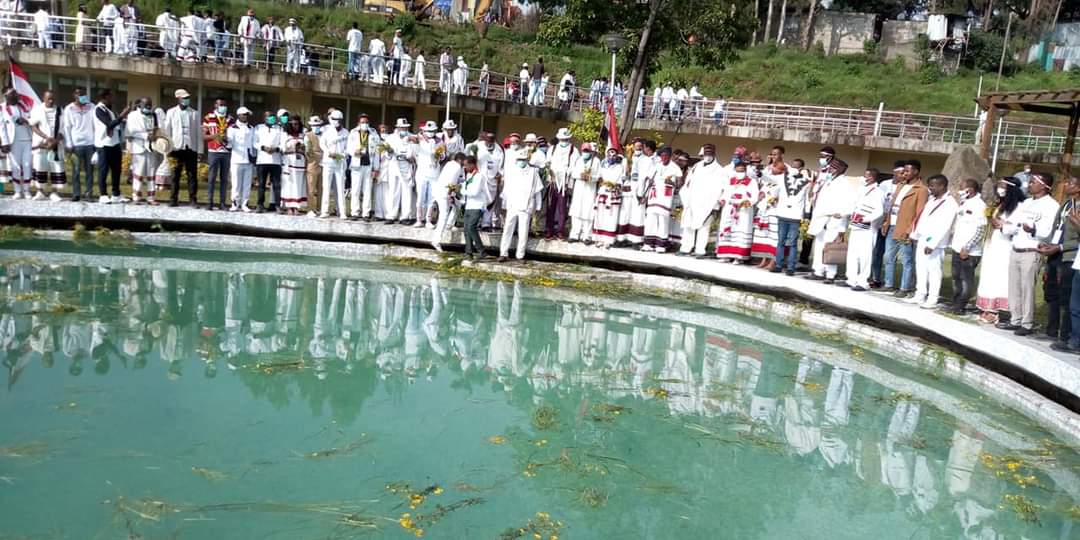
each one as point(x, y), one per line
point(835, 252)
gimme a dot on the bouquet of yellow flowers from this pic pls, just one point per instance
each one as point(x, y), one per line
point(454, 192)
point(384, 148)
point(746, 204)
point(989, 212)
point(440, 152)
point(676, 213)
point(804, 230)
point(611, 186)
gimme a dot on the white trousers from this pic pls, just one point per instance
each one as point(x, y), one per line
point(580, 229)
point(822, 269)
point(519, 221)
point(695, 239)
point(240, 174)
point(378, 70)
point(859, 256)
point(292, 57)
point(444, 79)
point(928, 270)
point(333, 176)
point(419, 78)
point(44, 40)
point(447, 218)
point(361, 184)
point(378, 199)
point(249, 50)
point(423, 198)
point(657, 227)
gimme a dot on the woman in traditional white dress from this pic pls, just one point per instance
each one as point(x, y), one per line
point(735, 232)
point(586, 174)
point(81, 22)
point(992, 297)
point(608, 199)
point(293, 178)
point(766, 224)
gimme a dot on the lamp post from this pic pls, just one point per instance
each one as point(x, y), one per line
point(614, 42)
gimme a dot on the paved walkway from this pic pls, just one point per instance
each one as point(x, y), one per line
point(1020, 358)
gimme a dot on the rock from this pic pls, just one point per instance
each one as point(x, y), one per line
point(964, 163)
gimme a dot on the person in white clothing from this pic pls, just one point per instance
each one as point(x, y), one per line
point(406, 69)
point(169, 35)
point(490, 158)
point(585, 174)
point(294, 46)
point(835, 199)
point(241, 141)
point(419, 71)
point(429, 154)
point(107, 19)
point(523, 78)
point(333, 141)
point(446, 65)
point(700, 197)
point(402, 147)
point(659, 196)
point(1031, 224)
point(42, 21)
point(969, 233)
point(48, 148)
point(444, 192)
point(521, 196)
point(397, 50)
point(271, 36)
point(188, 50)
point(355, 40)
point(144, 161)
point(377, 59)
point(78, 129)
point(863, 231)
point(461, 77)
point(248, 32)
point(269, 145)
point(932, 230)
point(452, 138)
point(15, 143)
point(363, 145)
point(563, 159)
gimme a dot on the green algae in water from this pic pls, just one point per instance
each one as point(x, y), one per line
point(576, 418)
point(15, 233)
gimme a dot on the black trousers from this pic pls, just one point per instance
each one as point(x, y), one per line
point(963, 279)
point(185, 160)
point(877, 259)
point(473, 244)
point(1058, 291)
point(272, 173)
point(109, 160)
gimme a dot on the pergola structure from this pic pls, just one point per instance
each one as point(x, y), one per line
point(1059, 103)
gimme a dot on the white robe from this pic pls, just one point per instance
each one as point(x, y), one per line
point(700, 195)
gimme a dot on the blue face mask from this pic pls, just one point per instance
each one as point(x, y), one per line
point(522, 164)
point(222, 110)
point(185, 102)
point(318, 130)
point(284, 119)
point(587, 155)
point(147, 111)
point(84, 100)
point(271, 120)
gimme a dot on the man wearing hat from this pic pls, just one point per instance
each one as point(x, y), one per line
point(364, 166)
point(700, 198)
point(489, 158)
point(399, 188)
point(833, 204)
point(450, 136)
point(562, 160)
point(313, 156)
point(269, 142)
point(334, 142)
point(1031, 226)
point(521, 197)
point(643, 165)
point(184, 129)
point(294, 47)
point(461, 77)
point(240, 139)
point(427, 170)
point(659, 197)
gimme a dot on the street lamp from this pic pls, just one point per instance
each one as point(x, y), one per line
point(614, 42)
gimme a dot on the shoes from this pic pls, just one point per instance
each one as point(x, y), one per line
point(776, 270)
point(437, 246)
point(245, 209)
point(430, 226)
point(829, 281)
point(502, 259)
point(76, 198)
point(1007, 326)
point(174, 204)
point(1023, 332)
point(843, 284)
point(789, 272)
point(1063, 346)
point(259, 209)
point(814, 277)
point(234, 207)
point(858, 288)
point(646, 248)
point(418, 224)
point(55, 197)
point(915, 300)
point(928, 305)
point(324, 216)
point(119, 199)
point(903, 294)
point(39, 196)
point(886, 290)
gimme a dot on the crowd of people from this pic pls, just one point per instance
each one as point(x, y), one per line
point(206, 36)
point(770, 211)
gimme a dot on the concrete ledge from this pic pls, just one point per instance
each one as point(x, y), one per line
point(1028, 362)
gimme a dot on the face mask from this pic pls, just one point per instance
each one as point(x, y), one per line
point(740, 175)
point(586, 155)
point(402, 134)
point(363, 126)
point(147, 111)
point(84, 100)
point(271, 121)
point(1027, 169)
point(1001, 192)
point(564, 144)
point(823, 162)
point(222, 110)
point(637, 153)
point(185, 102)
point(709, 159)
point(522, 164)
point(284, 119)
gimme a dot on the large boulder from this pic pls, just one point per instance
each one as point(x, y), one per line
point(964, 163)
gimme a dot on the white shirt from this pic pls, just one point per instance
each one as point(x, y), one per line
point(184, 129)
point(376, 47)
point(868, 207)
point(372, 148)
point(139, 128)
point(1038, 213)
point(108, 14)
point(241, 138)
point(269, 137)
point(935, 223)
point(475, 188)
point(398, 47)
point(271, 34)
point(451, 174)
point(78, 125)
point(969, 231)
point(41, 20)
point(356, 40)
point(333, 141)
point(102, 138)
point(44, 119)
point(248, 27)
point(293, 34)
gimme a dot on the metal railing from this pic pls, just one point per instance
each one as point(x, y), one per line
point(695, 115)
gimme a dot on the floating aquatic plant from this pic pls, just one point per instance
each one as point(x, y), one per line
point(209, 474)
point(497, 439)
point(545, 418)
point(593, 497)
point(1024, 507)
point(26, 450)
point(12, 233)
point(453, 266)
point(416, 524)
point(540, 527)
point(336, 451)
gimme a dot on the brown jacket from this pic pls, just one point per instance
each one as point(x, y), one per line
point(910, 207)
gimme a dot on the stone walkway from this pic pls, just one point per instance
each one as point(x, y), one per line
point(1021, 356)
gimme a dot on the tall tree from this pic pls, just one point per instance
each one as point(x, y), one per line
point(768, 21)
point(808, 30)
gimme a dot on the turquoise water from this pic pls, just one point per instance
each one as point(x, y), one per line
point(158, 393)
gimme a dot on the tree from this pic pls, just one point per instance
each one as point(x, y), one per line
point(808, 30)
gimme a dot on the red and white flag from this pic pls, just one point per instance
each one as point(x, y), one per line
point(609, 134)
point(21, 83)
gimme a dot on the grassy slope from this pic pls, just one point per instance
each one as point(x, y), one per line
point(763, 73)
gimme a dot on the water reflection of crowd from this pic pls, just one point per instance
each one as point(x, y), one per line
point(477, 329)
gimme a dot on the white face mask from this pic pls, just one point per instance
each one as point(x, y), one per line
point(1001, 192)
point(637, 153)
point(363, 125)
point(823, 161)
point(402, 134)
point(740, 175)
point(708, 160)
point(564, 144)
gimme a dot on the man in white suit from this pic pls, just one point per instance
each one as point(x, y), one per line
point(184, 128)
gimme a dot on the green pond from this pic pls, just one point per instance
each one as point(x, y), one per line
point(168, 393)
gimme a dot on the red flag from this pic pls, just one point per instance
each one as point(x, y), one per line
point(611, 127)
point(21, 83)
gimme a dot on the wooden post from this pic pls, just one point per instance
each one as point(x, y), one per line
point(987, 131)
point(1065, 167)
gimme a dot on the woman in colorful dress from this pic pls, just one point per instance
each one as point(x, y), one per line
point(608, 199)
point(294, 178)
point(992, 297)
point(736, 230)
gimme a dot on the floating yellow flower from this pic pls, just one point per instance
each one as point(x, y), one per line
point(497, 439)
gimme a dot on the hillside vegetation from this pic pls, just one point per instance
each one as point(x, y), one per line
point(764, 73)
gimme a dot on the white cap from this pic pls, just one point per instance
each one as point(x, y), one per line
point(525, 65)
point(282, 112)
point(401, 123)
point(243, 110)
point(563, 134)
point(430, 125)
point(449, 124)
point(336, 115)
point(181, 94)
point(530, 138)
point(460, 58)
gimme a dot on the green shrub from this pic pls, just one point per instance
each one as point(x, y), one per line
point(870, 47)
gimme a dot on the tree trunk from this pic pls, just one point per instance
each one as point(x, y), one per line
point(757, 24)
point(780, 27)
point(637, 74)
point(768, 22)
point(987, 15)
point(808, 30)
